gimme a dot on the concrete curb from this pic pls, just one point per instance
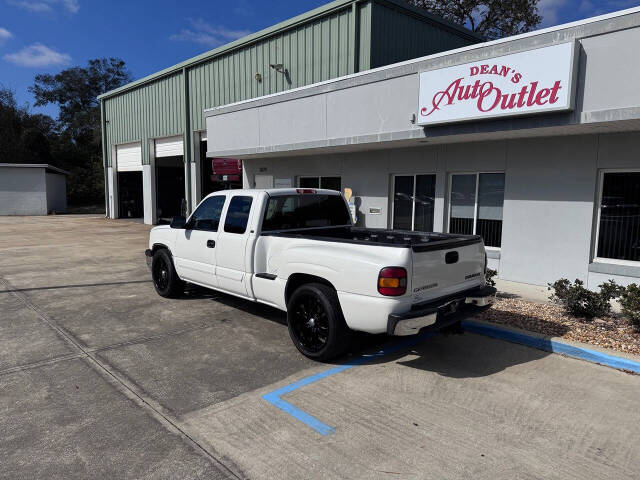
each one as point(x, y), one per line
point(550, 344)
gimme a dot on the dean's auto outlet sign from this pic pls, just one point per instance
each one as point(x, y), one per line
point(535, 81)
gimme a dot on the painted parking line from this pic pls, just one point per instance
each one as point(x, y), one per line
point(553, 346)
point(480, 328)
point(322, 428)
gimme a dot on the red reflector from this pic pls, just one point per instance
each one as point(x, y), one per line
point(305, 190)
point(392, 281)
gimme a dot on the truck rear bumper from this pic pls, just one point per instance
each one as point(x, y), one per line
point(433, 315)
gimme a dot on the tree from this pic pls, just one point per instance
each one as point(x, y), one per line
point(490, 18)
point(25, 138)
point(78, 146)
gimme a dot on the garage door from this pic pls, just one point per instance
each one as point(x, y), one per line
point(129, 157)
point(169, 147)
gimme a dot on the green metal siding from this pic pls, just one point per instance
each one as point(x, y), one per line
point(364, 51)
point(317, 51)
point(151, 111)
point(337, 39)
point(399, 34)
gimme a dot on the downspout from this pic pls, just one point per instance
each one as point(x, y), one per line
point(187, 141)
point(103, 127)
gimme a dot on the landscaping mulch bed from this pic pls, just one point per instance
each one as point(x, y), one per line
point(613, 332)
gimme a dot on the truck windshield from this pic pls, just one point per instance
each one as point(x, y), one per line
point(287, 212)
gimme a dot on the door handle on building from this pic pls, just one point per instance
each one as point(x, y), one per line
point(211, 244)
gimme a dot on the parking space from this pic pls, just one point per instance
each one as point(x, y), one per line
point(101, 377)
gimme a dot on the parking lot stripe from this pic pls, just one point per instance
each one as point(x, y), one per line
point(551, 345)
point(322, 428)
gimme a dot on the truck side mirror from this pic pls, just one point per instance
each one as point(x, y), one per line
point(178, 222)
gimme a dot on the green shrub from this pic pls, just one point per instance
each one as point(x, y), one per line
point(582, 302)
point(488, 275)
point(630, 303)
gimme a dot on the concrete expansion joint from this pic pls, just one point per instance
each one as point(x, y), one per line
point(114, 378)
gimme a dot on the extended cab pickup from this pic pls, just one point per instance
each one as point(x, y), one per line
point(298, 250)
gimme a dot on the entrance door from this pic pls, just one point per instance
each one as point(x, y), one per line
point(195, 253)
point(130, 202)
point(129, 168)
point(233, 263)
point(170, 197)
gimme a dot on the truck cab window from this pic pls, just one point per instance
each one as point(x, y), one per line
point(207, 215)
point(238, 214)
point(286, 212)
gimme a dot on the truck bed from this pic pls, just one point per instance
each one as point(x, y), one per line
point(417, 241)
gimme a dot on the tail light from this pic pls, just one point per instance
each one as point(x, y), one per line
point(305, 190)
point(392, 281)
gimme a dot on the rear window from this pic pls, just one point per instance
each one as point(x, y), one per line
point(288, 212)
point(238, 214)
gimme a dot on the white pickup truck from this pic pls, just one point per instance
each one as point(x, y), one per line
point(298, 250)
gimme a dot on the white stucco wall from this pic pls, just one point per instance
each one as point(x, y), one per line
point(550, 193)
point(22, 191)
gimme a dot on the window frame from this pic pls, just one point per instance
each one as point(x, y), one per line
point(598, 205)
point(477, 173)
point(413, 196)
point(189, 221)
point(319, 177)
point(226, 213)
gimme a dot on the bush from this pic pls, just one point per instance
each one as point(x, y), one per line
point(630, 303)
point(488, 275)
point(582, 302)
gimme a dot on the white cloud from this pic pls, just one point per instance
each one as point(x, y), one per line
point(46, 6)
point(210, 35)
point(37, 55)
point(4, 35)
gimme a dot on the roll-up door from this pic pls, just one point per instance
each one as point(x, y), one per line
point(129, 157)
point(169, 147)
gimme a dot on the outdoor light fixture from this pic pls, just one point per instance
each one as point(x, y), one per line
point(278, 67)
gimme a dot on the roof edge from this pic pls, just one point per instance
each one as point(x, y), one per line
point(274, 29)
point(46, 166)
point(384, 70)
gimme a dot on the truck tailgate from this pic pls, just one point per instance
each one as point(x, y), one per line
point(447, 268)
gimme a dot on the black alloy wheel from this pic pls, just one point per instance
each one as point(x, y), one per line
point(310, 322)
point(316, 324)
point(165, 279)
point(161, 274)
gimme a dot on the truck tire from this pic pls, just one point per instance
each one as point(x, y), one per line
point(316, 324)
point(165, 279)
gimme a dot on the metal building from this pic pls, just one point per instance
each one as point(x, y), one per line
point(154, 129)
point(531, 141)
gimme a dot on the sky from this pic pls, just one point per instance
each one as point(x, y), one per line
point(46, 36)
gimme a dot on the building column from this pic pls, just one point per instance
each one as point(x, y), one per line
point(112, 187)
point(196, 190)
point(440, 203)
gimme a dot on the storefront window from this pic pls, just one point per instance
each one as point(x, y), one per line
point(329, 183)
point(476, 205)
point(619, 225)
point(413, 202)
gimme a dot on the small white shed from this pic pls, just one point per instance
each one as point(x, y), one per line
point(32, 189)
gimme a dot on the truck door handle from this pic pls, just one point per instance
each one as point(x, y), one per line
point(211, 244)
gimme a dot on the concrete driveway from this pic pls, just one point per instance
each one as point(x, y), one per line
point(102, 378)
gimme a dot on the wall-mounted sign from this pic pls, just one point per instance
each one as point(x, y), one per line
point(536, 81)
